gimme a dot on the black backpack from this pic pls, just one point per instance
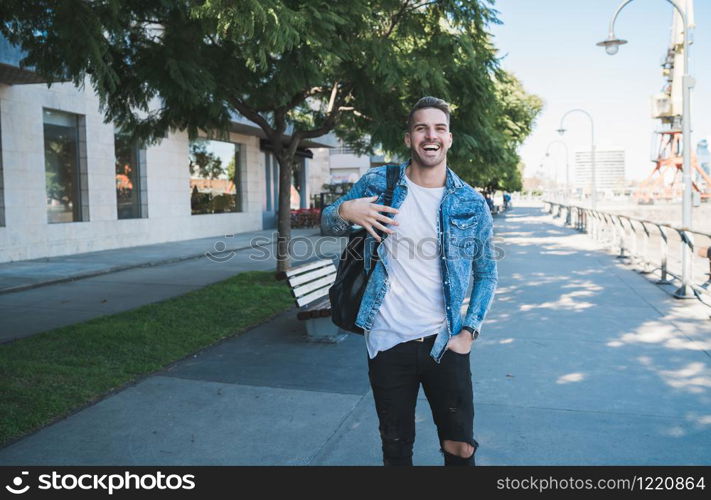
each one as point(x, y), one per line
point(347, 290)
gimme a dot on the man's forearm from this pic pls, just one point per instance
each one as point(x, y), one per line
point(332, 223)
point(479, 303)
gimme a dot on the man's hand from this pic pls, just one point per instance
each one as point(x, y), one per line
point(461, 343)
point(365, 213)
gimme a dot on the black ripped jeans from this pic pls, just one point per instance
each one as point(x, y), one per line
point(395, 376)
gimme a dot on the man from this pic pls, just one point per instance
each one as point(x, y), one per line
point(507, 201)
point(437, 235)
point(489, 202)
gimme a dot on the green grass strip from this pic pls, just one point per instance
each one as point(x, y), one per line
point(52, 374)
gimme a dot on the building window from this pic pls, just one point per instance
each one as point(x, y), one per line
point(214, 177)
point(130, 178)
point(65, 167)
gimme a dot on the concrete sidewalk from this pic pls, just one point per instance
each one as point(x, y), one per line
point(580, 362)
point(48, 293)
point(27, 274)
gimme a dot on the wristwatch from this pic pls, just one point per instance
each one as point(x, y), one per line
point(474, 332)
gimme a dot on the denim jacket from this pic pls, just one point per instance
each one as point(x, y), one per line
point(465, 250)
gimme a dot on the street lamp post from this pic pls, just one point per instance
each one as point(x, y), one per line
point(567, 165)
point(612, 44)
point(593, 182)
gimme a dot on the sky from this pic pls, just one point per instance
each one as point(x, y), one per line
point(550, 46)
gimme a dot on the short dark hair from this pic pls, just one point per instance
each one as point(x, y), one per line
point(428, 102)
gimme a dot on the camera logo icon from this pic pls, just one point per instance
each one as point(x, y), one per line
point(16, 487)
point(220, 253)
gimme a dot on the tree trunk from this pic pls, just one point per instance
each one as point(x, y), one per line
point(284, 212)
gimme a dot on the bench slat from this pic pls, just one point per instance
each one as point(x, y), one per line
point(307, 267)
point(305, 278)
point(307, 299)
point(314, 285)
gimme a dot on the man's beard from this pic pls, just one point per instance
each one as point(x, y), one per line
point(426, 162)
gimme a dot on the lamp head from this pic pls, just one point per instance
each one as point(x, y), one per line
point(612, 44)
point(561, 131)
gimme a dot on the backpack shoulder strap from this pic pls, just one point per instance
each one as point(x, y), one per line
point(393, 172)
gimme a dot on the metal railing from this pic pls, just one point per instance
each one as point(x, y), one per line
point(651, 247)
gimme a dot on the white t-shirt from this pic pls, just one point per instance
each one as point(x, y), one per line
point(414, 304)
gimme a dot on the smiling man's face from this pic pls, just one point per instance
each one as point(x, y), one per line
point(429, 138)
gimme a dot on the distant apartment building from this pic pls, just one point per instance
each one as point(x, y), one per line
point(609, 170)
point(346, 165)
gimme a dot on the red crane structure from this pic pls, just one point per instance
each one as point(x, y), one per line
point(665, 180)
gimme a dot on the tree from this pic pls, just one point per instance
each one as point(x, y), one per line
point(297, 68)
point(516, 114)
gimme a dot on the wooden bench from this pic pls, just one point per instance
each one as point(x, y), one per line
point(309, 284)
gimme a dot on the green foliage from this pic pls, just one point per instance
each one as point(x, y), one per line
point(354, 67)
point(231, 169)
point(516, 112)
point(204, 163)
point(298, 68)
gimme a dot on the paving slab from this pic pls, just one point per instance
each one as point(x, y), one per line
point(169, 421)
point(277, 354)
point(357, 441)
point(522, 435)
